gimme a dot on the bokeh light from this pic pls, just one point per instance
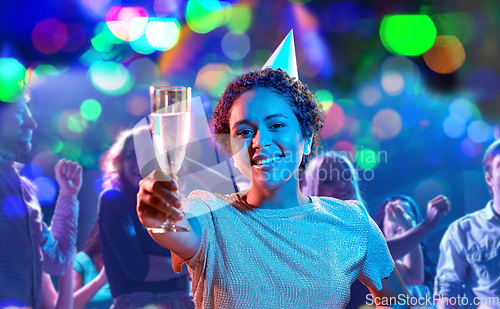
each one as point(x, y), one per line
point(241, 18)
point(479, 131)
point(77, 123)
point(96, 6)
point(454, 126)
point(469, 148)
point(212, 78)
point(393, 83)
point(142, 46)
point(127, 23)
point(312, 55)
point(110, 77)
point(446, 55)
point(386, 123)
point(483, 84)
point(459, 24)
point(12, 74)
point(370, 96)
point(463, 108)
point(409, 35)
point(409, 72)
point(49, 36)
point(90, 109)
point(429, 189)
point(138, 105)
point(104, 40)
point(344, 146)
point(367, 159)
point(46, 190)
point(163, 34)
point(71, 125)
point(334, 121)
point(235, 45)
point(325, 97)
point(144, 71)
point(32, 170)
point(164, 8)
point(204, 16)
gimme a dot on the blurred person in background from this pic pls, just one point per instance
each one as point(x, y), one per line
point(334, 175)
point(138, 269)
point(27, 246)
point(396, 216)
point(469, 262)
point(90, 283)
point(63, 298)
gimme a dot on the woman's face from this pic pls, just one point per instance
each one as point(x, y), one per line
point(336, 181)
point(130, 167)
point(266, 139)
point(392, 229)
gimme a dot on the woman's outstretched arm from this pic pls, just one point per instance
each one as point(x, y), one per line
point(155, 193)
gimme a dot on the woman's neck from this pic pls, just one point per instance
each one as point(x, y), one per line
point(286, 196)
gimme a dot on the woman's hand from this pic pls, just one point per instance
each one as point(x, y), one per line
point(396, 214)
point(157, 200)
point(69, 177)
point(435, 209)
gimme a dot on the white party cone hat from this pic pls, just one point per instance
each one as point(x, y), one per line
point(284, 57)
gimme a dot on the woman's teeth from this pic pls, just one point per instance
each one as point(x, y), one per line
point(268, 160)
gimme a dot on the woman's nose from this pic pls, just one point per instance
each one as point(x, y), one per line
point(261, 140)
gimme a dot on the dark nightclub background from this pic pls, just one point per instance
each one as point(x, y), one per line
point(410, 88)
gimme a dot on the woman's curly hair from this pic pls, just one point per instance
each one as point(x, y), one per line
point(298, 95)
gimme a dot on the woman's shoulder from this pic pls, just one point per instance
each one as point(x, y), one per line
point(202, 201)
point(349, 211)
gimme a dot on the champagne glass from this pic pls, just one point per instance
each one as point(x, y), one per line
point(170, 123)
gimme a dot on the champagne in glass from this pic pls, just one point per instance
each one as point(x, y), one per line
point(170, 123)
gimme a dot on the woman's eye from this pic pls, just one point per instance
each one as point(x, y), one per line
point(244, 132)
point(277, 125)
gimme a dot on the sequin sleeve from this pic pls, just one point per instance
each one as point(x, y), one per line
point(378, 263)
point(196, 205)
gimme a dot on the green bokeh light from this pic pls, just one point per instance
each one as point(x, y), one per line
point(76, 123)
point(409, 35)
point(110, 77)
point(46, 69)
point(12, 75)
point(72, 151)
point(367, 159)
point(204, 16)
point(241, 18)
point(324, 95)
point(90, 109)
point(104, 40)
point(57, 147)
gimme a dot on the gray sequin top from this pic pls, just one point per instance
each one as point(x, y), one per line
point(301, 257)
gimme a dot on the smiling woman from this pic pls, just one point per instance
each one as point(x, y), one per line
point(271, 246)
